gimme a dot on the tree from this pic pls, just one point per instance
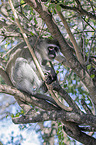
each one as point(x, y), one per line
point(78, 19)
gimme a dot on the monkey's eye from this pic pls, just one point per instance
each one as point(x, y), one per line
point(56, 49)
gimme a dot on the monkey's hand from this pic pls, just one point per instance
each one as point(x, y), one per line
point(49, 78)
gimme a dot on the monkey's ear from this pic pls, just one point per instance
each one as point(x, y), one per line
point(44, 62)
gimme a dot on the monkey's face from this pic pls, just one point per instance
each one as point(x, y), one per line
point(52, 51)
point(53, 48)
point(49, 49)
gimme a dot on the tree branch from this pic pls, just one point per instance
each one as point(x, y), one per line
point(5, 76)
point(24, 98)
point(79, 10)
point(87, 109)
point(62, 116)
point(56, 86)
point(88, 128)
point(76, 47)
point(79, 135)
point(35, 117)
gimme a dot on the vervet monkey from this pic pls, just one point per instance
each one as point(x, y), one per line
point(22, 70)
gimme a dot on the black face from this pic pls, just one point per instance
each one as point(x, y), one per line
point(52, 52)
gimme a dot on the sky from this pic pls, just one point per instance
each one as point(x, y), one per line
point(30, 136)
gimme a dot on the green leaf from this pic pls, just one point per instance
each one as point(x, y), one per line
point(57, 71)
point(22, 112)
point(58, 8)
point(22, 1)
point(88, 66)
point(92, 76)
point(65, 85)
point(59, 137)
point(12, 115)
